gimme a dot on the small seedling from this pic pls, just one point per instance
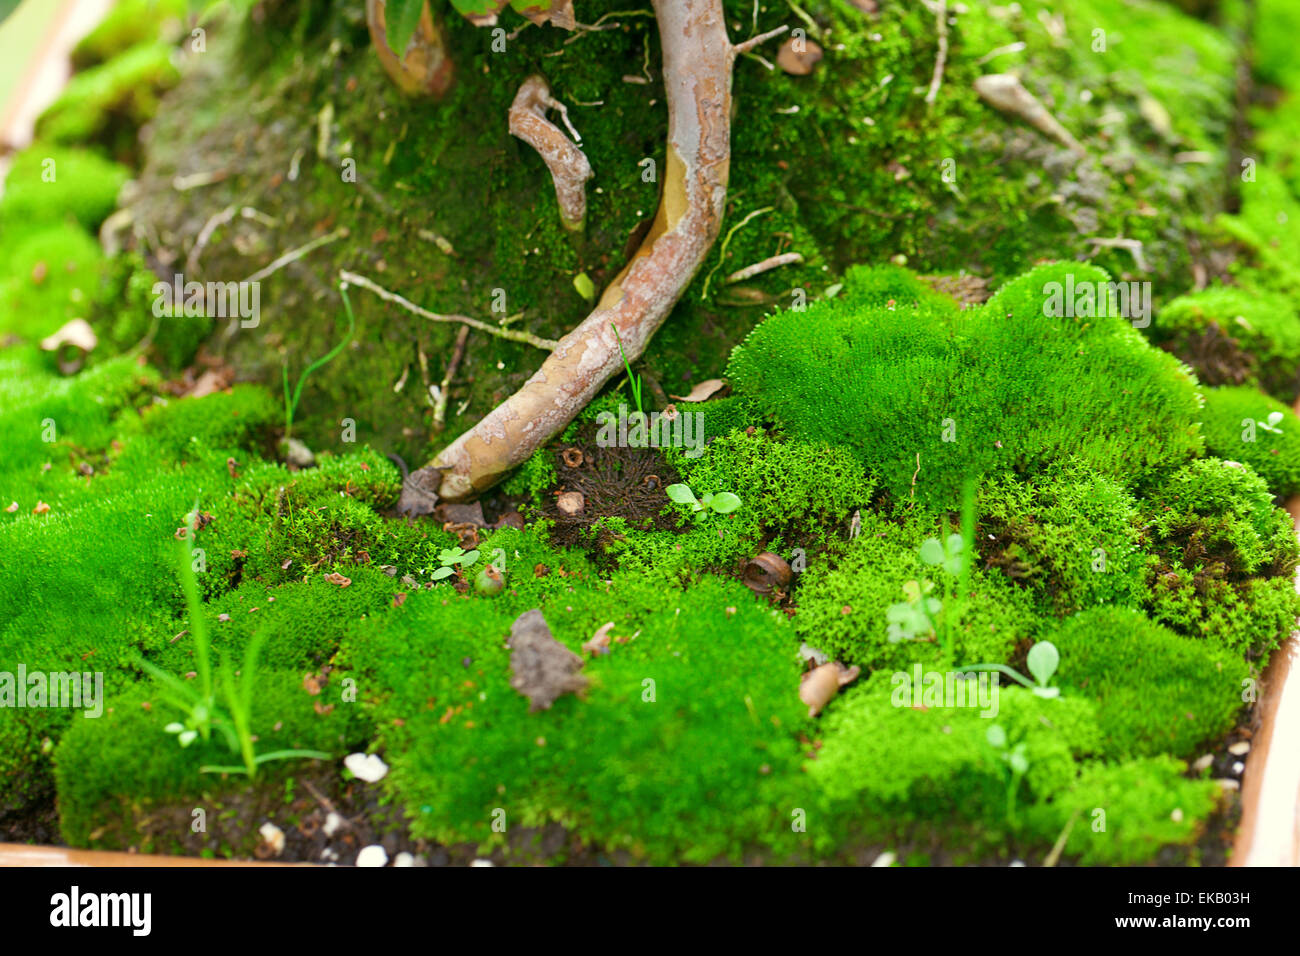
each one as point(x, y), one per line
point(1017, 763)
point(450, 558)
point(291, 400)
point(1274, 420)
point(914, 619)
point(633, 381)
point(1042, 661)
point(948, 553)
point(724, 502)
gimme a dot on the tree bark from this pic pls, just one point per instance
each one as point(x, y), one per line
point(697, 63)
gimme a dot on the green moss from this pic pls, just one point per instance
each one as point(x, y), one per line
point(880, 750)
point(999, 389)
point(844, 598)
point(1146, 804)
point(48, 278)
point(1157, 692)
point(1222, 557)
point(1232, 336)
point(128, 23)
point(104, 105)
point(236, 419)
point(1263, 226)
point(1237, 427)
point(1071, 536)
point(1275, 20)
point(113, 771)
point(47, 184)
point(532, 477)
point(671, 755)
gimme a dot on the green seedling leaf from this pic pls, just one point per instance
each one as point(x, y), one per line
point(932, 551)
point(468, 558)
point(725, 502)
point(444, 572)
point(681, 494)
point(586, 288)
point(401, 18)
point(1042, 660)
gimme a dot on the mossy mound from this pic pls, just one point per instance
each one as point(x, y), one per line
point(1157, 692)
point(1234, 336)
point(48, 184)
point(1242, 424)
point(931, 401)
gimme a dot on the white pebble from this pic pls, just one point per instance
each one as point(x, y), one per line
point(403, 859)
point(273, 837)
point(367, 767)
point(332, 823)
point(1238, 767)
point(372, 855)
point(482, 863)
point(1017, 862)
point(1240, 748)
point(1177, 815)
point(1203, 763)
point(885, 859)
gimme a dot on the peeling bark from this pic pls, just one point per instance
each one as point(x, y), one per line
point(698, 59)
point(567, 163)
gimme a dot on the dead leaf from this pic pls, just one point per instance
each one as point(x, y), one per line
point(798, 56)
point(335, 578)
point(599, 643)
point(701, 391)
point(41, 508)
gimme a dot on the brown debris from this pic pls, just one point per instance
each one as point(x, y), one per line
point(798, 56)
point(542, 669)
point(767, 572)
point(571, 503)
point(819, 685)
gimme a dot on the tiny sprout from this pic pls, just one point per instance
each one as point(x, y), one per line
point(1274, 420)
point(724, 502)
point(449, 558)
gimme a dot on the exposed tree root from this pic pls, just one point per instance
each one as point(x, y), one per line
point(698, 59)
point(567, 163)
point(424, 68)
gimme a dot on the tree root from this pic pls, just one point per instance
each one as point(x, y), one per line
point(566, 161)
point(425, 67)
point(698, 59)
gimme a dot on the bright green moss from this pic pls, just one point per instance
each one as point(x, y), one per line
point(1073, 537)
point(47, 278)
point(1222, 557)
point(999, 389)
point(1232, 336)
point(1146, 804)
point(881, 751)
point(1237, 427)
point(721, 416)
point(128, 23)
point(844, 597)
point(532, 477)
point(111, 772)
point(790, 491)
point(1157, 692)
point(672, 753)
point(1275, 21)
point(47, 183)
point(105, 104)
point(240, 418)
point(1264, 225)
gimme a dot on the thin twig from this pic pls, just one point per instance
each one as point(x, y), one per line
point(293, 255)
point(758, 268)
point(514, 336)
point(440, 406)
point(940, 9)
point(740, 49)
point(216, 221)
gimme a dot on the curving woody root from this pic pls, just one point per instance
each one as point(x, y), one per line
point(567, 163)
point(697, 63)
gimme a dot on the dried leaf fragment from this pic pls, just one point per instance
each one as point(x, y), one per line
point(703, 390)
point(820, 684)
point(335, 578)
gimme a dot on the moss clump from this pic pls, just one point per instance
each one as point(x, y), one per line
point(104, 105)
point(1147, 804)
point(48, 184)
point(48, 278)
point(113, 771)
point(1222, 557)
point(128, 23)
point(790, 491)
point(1004, 388)
point(1071, 536)
point(881, 750)
point(1157, 692)
point(1232, 336)
point(1237, 427)
point(532, 477)
point(672, 754)
point(844, 598)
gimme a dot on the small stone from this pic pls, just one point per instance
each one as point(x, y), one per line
point(571, 503)
point(1228, 784)
point(272, 837)
point(887, 858)
point(404, 859)
point(1177, 815)
point(1203, 763)
point(1238, 767)
point(333, 822)
point(1017, 863)
point(367, 767)
point(482, 863)
point(372, 855)
point(1240, 748)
